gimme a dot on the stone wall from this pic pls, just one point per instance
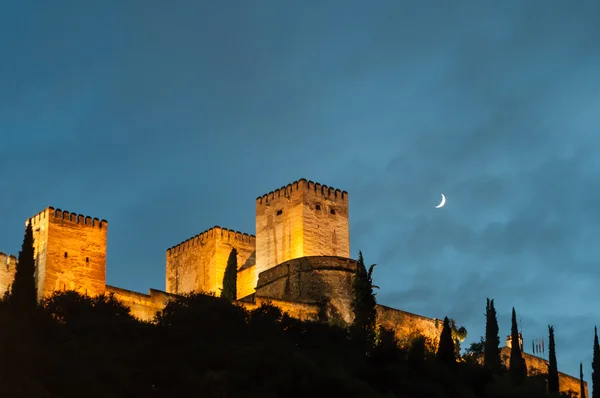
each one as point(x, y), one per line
point(70, 252)
point(198, 264)
point(8, 267)
point(407, 326)
point(246, 281)
point(314, 280)
point(302, 311)
point(299, 220)
point(537, 365)
point(143, 306)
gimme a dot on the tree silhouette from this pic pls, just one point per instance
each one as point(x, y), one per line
point(518, 370)
point(229, 291)
point(596, 367)
point(445, 352)
point(364, 303)
point(491, 349)
point(23, 296)
point(552, 366)
point(581, 385)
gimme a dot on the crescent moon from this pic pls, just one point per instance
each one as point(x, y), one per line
point(442, 203)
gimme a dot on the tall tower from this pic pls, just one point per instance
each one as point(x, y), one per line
point(70, 252)
point(301, 219)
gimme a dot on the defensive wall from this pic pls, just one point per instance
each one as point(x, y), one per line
point(143, 306)
point(301, 219)
point(407, 326)
point(302, 311)
point(8, 267)
point(70, 251)
point(198, 264)
point(537, 365)
point(298, 261)
point(326, 280)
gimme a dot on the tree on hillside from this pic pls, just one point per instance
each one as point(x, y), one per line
point(445, 352)
point(581, 385)
point(518, 370)
point(491, 348)
point(596, 367)
point(23, 295)
point(459, 334)
point(364, 302)
point(229, 290)
point(552, 365)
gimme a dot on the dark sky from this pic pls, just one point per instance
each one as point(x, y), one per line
point(166, 118)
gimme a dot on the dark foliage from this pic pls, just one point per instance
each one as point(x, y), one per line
point(364, 304)
point(23, 295)
point(552, 365)
point(518, 369)
point(581, 384)
point(491, 349)
point(596, 367)
point(229, 291)
point(201, 345)
point(445, 352)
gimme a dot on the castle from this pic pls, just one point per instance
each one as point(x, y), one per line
point(299, 260)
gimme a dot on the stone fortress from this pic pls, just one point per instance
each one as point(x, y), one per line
point(299, 260)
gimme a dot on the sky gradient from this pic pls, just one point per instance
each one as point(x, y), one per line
point(166, 118)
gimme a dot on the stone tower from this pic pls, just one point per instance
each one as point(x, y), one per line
point(198, 264)
point(301, 219)
point(70, 252)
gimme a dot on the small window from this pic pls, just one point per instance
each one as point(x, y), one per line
point(332, 211)
point(318, 207)
point(87, 259)
point(66, 255)
point(279, 212)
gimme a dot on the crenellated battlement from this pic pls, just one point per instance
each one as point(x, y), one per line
point(52, 213)
point(304, 185)
point(212, 233)
point(7, 260)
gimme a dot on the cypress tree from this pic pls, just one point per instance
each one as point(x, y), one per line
point(596, 367)
point(364, 302)
point(581, 385)
point(491, 348)
point(552, 366)
point(445, 352)
point(229, 290)
point(518, 370)
point(23, 294)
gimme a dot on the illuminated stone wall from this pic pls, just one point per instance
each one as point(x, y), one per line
point(407, 326)
point(246, 279)
point(312, 280)
point(143, 306)
point(8, 267)
point(302, 311)
point(70, 252)
point(299, 220)
point(537, 365)
point(199, 263)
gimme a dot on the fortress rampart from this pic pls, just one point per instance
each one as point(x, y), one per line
point(537, 365)
point(301, 219)
point(70, 251)
point(198, 264)
point(301, 185)
point(323, 280)
point(299, 261)
point(143, 306)
point(51, 212)
point(407, 326)
point(8, 267)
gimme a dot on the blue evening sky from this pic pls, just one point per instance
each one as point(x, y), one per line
point(166, 118)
